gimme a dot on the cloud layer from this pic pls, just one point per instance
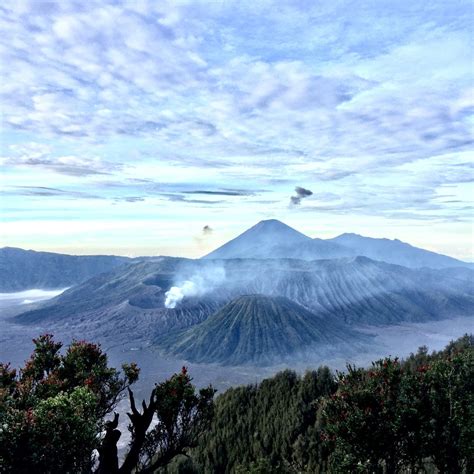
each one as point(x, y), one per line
point(203, 111)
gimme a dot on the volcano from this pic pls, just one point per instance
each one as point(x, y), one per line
point(256, 329)
point(274, 239)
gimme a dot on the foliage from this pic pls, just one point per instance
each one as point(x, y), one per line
point(415, 415)
point(182, 415)
point(52, 414)
point(400, 416)
point(257, 427)
point(367, 406)
point(51, 411)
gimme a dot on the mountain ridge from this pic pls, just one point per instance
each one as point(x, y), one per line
point(265, 240)
point(397, 252)
point(274, 239)
point(25, 269)
point(131, 299)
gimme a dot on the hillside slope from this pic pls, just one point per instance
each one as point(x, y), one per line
point(130, 299)
point(397, 252)
point(255, 329)
point(25, 269)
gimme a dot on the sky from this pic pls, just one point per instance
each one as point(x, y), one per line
point(148, 128)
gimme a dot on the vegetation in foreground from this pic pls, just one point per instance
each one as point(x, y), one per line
point(409, 416)
point(53, 412)
point(406, 416)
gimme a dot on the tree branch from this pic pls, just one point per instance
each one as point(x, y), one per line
point(140, 424)
point(108, 454)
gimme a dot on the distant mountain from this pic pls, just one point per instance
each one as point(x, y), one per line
point(397, 252)
point(270, 239)
point(129, 300)
point(25, 269)
point(273, 239)
point(256, 329)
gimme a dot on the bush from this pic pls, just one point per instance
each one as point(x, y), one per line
point(52, 414)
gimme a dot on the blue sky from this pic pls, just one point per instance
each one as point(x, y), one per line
point(127, 127)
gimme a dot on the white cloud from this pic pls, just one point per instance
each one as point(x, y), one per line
point(38, 155)
point(255, 95)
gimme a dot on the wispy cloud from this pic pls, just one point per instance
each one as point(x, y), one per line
point(38, 155)
point(43, 191)
point(168, 105)
point(222, 193)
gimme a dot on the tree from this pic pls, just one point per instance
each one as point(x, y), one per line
point(398, 416)
point(448, 429)
point(361, 416)
point(52, 410)
point(52, 413)
point(181, 417)
point(269, 427)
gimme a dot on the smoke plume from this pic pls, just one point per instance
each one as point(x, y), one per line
point(197, 285)
point(300, 193)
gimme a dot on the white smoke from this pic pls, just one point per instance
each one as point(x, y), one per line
point(176, 293)
point(198, 285)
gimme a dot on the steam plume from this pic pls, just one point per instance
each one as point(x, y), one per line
point(176, 293)
point(198, 285)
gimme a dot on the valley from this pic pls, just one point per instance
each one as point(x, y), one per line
point(373, 342)
point(397, 340)
point(257, 315)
